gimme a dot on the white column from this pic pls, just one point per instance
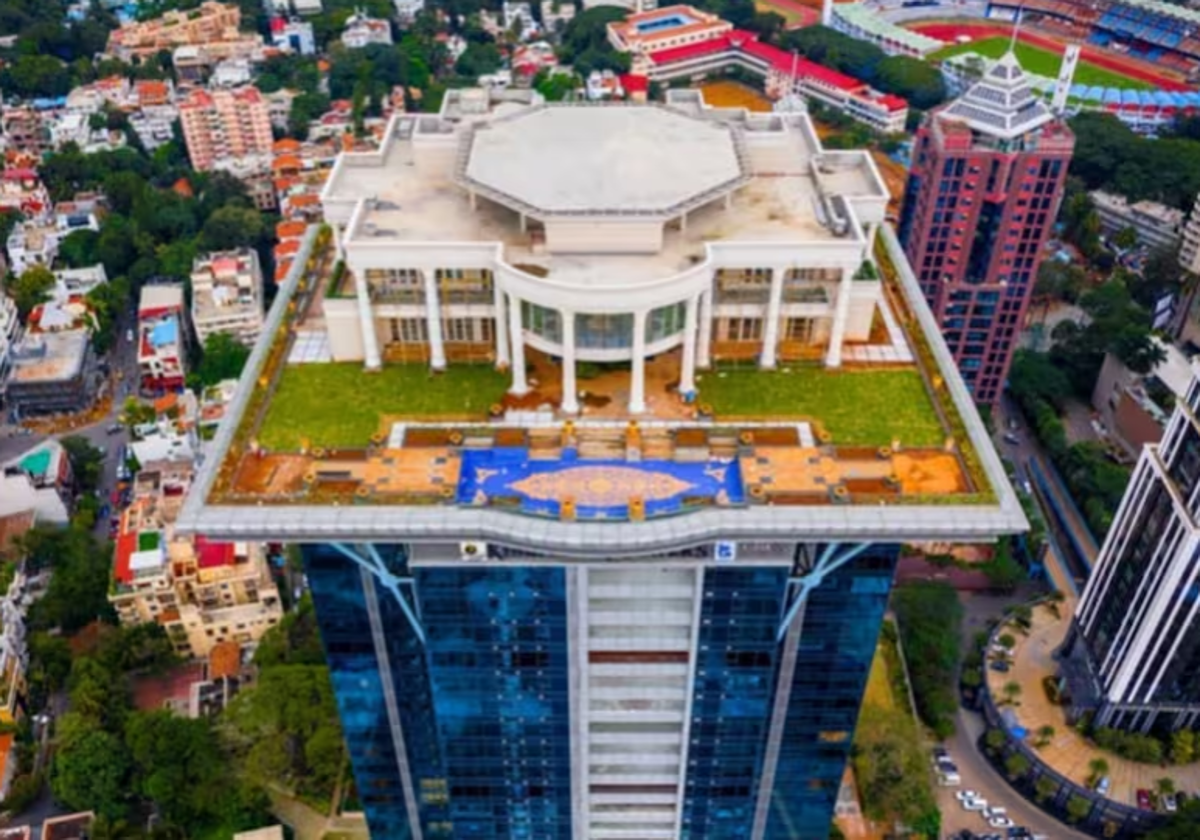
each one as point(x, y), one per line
point(570, 400)
point(366, 321)
point(519, 387)
point(687, 376)
point(841, 311)
point(872, 232)
point(433, 321)
point(502, 358)
point(771, 327)
point(338, 250)
point(704, 351)
point(637, 390)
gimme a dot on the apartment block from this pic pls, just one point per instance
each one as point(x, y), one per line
point(202, 592)
point(214, 26)
point(1156, 224)
point(227, 295)
point(222, 124)
point(161, 337)
point(362, 30)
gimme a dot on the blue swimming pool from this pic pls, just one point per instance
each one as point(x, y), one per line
point(601, 489)
point(660, 23)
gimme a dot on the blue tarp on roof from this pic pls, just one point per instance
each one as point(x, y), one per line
point(164, 333)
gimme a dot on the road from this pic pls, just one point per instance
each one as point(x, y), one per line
point(980, 776)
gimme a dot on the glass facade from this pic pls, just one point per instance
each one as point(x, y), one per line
point(467, 724)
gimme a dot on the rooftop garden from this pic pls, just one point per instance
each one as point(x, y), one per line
point(341, 405)
point(869, 408)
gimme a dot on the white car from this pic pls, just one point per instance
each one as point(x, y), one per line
point(964, 795)
point(974, 804)
point(1000, 822)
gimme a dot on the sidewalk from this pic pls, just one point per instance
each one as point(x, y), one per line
point(310, 824)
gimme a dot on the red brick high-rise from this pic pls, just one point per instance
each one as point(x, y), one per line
point(984, 191)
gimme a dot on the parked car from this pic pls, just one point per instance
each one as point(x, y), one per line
point(999, 665)
point(1103, 785)
point(975, 804)
point(1000, 822)
point(1143, 800)
point(939, 753)
point(114, 429)
point(1009, 437)
point(1169, 804)
point(964, 795)
point(995, 811)
point(949, 779)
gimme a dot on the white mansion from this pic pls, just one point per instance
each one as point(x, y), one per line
point(606, 233)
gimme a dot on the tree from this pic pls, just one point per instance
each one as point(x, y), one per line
point(136, 413)
point(30, 288)
point(1182, 825)
point(1078, 807)
point(1044, 789)
point(478, 60)
point(1045, 734)
point(176, 765)
point(1183, 746)
point(295, 640)
point(1016, 766)
point(87, 462)
point(306, 108)
point(1012, 690)
point(223, 358)
point(77, 592)
point(1165, 786)
point(918, 81)
point(929, 616)
point(91, 774)
point(889, 766)
point(78, 248)
point(232, 227)
point(1007, 640)
point(1097, 768)
point(555, 86)
point(1125, 238)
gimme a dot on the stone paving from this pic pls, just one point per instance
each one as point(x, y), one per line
point(1068, 752)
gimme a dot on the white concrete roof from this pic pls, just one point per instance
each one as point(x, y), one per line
point(603, 160)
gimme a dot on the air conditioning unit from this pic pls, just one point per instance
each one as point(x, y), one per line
point(473, 550)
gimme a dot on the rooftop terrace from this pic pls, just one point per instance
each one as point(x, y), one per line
point(316, 452)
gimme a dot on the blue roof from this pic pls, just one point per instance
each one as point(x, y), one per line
point(164, 333)
point(1111, 96)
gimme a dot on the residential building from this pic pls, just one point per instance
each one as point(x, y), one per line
point(162, 355)
point(214, 26)
point(600, 611)
point(1132, 656)
point(20, 496)
point(406, 10)
point(227, 295)
point(362, 30)
point(1133, 407)
point(68, 127)
point(52, 373)
point(21, 189)
point(69, 827)
point(1189, 246)
point(307, 7)
point(32, 243)
point(10, 330)
point(231, 73)
point(13, 658)
point(982, 196)
point(21, 129)
point(681, 42)
point(254, 171)
point(221, 124)
point(1156, 224)
point(154, 125)
point(71, 282)
point(47, 466)
point(202, 592)
point(293, 35)
point(19, 832)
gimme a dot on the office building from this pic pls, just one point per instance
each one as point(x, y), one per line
point(1132, 656)
point(590, 611)
point(1156, 224)
point(225, 125)
point(982, 196)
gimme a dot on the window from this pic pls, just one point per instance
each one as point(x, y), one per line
point(799, 329)
point(464, 286)
point(743, 329)
point(467, 330)
point(396, 285)
point(541, 321)
point(408, 330)
point(665, 321)
point(746, 285)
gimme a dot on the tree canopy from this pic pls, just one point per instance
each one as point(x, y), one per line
point(223, 358)
point(929, 615)
point(1110, 156)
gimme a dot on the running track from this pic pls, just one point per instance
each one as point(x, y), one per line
point(950, 32)
point(808, 15)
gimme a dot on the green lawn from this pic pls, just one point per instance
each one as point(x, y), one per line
point(858, 408)
point(1043, 63)
point(335, 405)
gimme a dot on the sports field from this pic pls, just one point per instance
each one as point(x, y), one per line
point(1044, 63)
point(795, 12)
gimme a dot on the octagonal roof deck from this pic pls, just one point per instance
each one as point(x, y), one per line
point(603, 160)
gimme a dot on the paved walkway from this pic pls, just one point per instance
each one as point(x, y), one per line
point(310, 824)
point(1068, 752)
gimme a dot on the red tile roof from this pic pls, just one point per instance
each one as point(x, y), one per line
point(126, 546)
point(289, 229)
point(748, 43)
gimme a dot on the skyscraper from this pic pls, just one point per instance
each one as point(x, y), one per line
point(1133, 653)
point(986, 181)
point(627, 598)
